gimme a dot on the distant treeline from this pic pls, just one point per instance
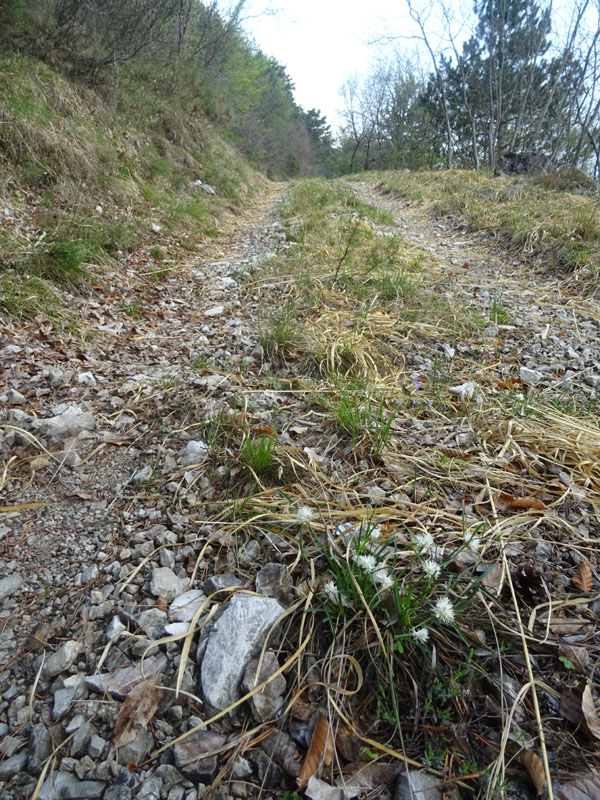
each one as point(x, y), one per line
point(183, 49)
point(512, 83)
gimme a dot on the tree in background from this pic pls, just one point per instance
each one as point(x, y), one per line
point(501, 79)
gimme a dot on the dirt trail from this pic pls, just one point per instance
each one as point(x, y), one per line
point(99, 504)
point(141, 336)
point(533, 320)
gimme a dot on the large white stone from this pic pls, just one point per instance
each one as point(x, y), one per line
point(164, 583)
point(238, 635)
point(183, 608)
point(69, 423)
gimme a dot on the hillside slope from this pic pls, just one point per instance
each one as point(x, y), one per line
point(90, 177)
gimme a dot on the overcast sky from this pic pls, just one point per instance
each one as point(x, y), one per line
point(322, 42)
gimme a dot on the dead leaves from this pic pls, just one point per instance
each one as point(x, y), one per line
point(506, 502)
point(577, 656)
point(583, 788)
point(533, 764)
point(579, 709)
point(583, 579)
point(320, 750)
point(590, 714)
point(137, 710)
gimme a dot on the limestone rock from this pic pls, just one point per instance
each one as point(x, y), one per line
point(185, 605)
point(10, 584)
point(237, 636)
point(61, 660)
point(530, 376)
point(69, 423)
point(194, 453)
point(273, 580)
point(267, 702)
point(191, 755)
point(120, 683)
point(164, 583)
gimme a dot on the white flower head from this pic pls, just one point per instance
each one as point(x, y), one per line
point(304, 514)
point(331, 591)
point(421, 635)
point(431, 568)
point(424, 542)
point(382, 578)
point(444, 611)
point(473, 543)
point(367, 563)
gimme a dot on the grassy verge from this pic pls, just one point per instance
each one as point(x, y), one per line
point(90, 179)
point(555, 216)
point(419, 521)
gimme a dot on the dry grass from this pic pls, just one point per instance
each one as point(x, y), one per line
point(521, 485)
point(540, 217)
point(90, 173)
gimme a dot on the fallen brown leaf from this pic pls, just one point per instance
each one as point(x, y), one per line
point(263, 430)
point(583, 788)
point(494, 579)
point(320, 750)
point(40, 462)
point(589, 712)
point(579, 656)
point(138, 709)
point(570, 707)
point(583, 577)
point(527, 502)
point(347, 744)
point(533, 764)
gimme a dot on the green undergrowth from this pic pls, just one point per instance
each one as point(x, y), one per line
point(403, 506)
point(88, 176)
point(555, 216)
point(398, 473)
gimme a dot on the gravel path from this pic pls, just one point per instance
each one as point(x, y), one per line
point(93, 436)
point(552, 332)
point(103, 523)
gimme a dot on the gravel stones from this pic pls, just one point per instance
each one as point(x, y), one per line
point(136, 751)
point(9, 767)
point(218, 583)
point(60, 660)
point(9, 585)
point(237, 636)
point(40, 748)
point(194, 755)
point(267, 702)
point(164, 583)
point(153, 622)
point(66, 786)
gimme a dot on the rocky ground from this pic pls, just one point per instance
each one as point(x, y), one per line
point(112, 535)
